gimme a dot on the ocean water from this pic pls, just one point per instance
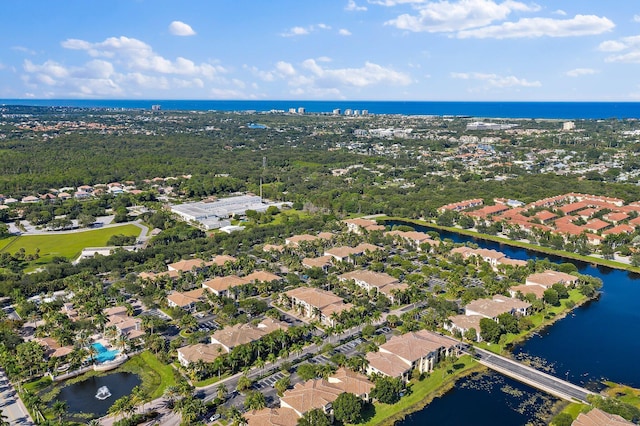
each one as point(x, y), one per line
point(546, 110)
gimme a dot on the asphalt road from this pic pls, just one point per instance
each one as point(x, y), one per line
point(531, 376)
point(11, 405)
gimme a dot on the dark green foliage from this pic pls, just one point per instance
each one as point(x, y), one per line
point(315, 417)
point(387, 390)
point(562, 419)
point(490, 330)
point(347, 408)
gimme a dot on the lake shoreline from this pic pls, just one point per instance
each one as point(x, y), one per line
point(450, 384)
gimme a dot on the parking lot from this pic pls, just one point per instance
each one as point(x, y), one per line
point(349, 346)
point(269, 381)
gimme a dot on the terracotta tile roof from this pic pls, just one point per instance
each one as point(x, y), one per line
point(389, 289)
point(387, 363)
point(272, 417)
point(597, 417)
point(549, 278)
point(491, 308)
point(314, 296)
point(537, 290)
point(352, 382)
point(240, 334)
point(316, 262)
point(222, 259)
point(219, 284)
point(370, 278)
point(309, 395)
point(415, 345)
point(596, 225)
point(619, 229)
point(466, 322)
point(545, 215)
point(184, 299)
point(297, 239)
point(187, 265)
point(326, 235)
point(200, 351)
point(615, 216)
point(274, 247)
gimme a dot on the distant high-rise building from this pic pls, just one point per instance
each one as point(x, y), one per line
point(337, 111)
point(301, 110)
point(292, 110)
point(155, 107)
point(365, 112)
point(348, 111)
point(356, 112)
point(568, 125)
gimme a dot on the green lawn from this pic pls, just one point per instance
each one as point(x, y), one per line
point(64, 245)
point(422, 392)
point(155, 375)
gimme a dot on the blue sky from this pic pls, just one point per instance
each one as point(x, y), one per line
point(321, 49)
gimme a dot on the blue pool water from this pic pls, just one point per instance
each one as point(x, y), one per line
point(103, 353)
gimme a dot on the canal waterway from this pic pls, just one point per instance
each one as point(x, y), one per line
point(597, 341)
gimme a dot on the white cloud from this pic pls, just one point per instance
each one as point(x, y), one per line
point(179, 28)
point(120, 66)
point(636, 18)
point(353, 7)
point(344, 32)
point(629, 45)
point(296, 31)
point(300, 31)
point(495, 80)
point(580, 25)
point(577, 72)
point(139, 56)
point(315, 78)
point(367, 75)
point(450, 16)
point(23, 49)
point(285, 69)
point(560, 12)
point(390, 3)
point(611, 46)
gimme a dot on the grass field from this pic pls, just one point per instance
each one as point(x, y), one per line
point(155, 375)
point(64, 245)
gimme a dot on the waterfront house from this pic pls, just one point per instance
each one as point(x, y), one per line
point(421, 350)
point(548, 278)
point(492, 308)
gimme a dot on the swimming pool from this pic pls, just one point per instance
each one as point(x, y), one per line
point(103, 354)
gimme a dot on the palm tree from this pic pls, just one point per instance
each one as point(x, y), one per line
point(170, 395)
point(139, 396)
point(259, 363)
point(190, 408)
point(100, 320)
point(222, 392)
point(123, 342)
point(59, 409)
point(119, 407)
point(4, 420)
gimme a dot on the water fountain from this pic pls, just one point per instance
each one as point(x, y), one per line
point(103, 393)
